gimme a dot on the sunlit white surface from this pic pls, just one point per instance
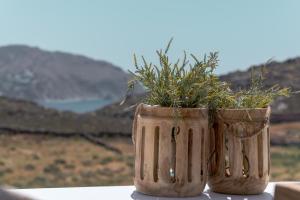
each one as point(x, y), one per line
point(127, 193)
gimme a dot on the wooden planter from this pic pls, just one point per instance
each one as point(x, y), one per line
point(170, 151)
point(239, 159)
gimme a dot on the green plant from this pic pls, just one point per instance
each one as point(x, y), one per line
point(183, 84)
point(192, 83)
point(220, 95)
point(257, 96)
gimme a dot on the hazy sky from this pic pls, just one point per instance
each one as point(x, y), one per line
point(244, 32)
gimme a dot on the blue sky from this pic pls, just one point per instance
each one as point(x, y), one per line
point(244, 32)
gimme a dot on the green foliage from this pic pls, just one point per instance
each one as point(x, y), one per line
point(257, 96)
point(220, 95)
point(192, 83)
point(184, 83)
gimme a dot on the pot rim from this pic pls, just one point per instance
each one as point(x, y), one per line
point(170, 108)
point(159, 111)
point(241, 109)
point(247, 114)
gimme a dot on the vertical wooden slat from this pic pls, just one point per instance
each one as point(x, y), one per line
point(265, 152)
point(139, 162)
point(202, 150)
point(212, 152)
point(196, 162)
point(190, 154)
point(182, 154)
point(156, 154)
point(165, 154)
point(149, 153)
point(235, 153)
point(261, 153)
point(251, 153)
point(175, 131)
point(220, 154)
point(138, 151)
point(206, 152)
point(226, 151)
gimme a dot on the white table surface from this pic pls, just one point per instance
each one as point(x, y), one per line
point(127, 193)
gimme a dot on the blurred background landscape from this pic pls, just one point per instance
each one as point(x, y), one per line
point(63, 73)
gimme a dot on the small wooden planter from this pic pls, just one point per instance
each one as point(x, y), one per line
point(170, 151)
point(239, 161)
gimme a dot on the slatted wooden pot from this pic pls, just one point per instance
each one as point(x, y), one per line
point(239, 158)
point(170, 150)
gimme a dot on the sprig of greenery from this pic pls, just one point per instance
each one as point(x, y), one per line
point(192, 83)
point(220, 95)
point(256, 96)
point(183, 84)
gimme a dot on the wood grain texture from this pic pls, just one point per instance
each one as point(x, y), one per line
point(288, 191)
point(239, 161)
point(181, 162)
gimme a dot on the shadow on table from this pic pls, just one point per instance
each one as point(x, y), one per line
point(217, 196)
point(139, 196)
point(207, 195)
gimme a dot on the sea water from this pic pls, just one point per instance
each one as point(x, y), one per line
point(78, 106)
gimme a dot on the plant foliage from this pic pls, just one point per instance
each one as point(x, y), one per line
point(256, 96)
point(184, 83)
point(190, 82)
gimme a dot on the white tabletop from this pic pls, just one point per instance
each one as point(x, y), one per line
point(126, 193)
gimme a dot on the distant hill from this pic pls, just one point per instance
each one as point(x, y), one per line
point(33, 74)
point(286, 74)
point(21, 116)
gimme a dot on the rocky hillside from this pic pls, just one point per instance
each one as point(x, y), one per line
point(286, 74)
point(20, 116)
point(33, 74)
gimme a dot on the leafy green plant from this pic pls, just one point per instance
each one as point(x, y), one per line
point(192, 83)
point(183, 84)
point(220, 95)
point(257, 96)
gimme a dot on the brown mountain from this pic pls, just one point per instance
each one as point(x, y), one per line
point(33, 74)
point(21, 116)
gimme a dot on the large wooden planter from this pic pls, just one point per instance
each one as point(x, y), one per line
point(170, 151)
point(239, 161)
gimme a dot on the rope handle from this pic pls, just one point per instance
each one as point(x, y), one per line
point(237, 122)
point(255, 132)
